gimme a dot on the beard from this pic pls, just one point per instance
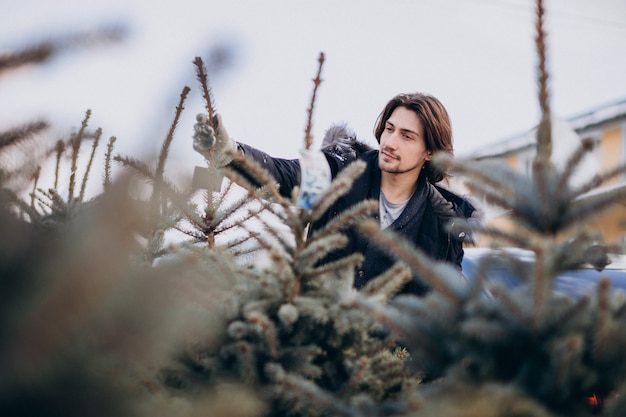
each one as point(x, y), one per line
point(395, 166)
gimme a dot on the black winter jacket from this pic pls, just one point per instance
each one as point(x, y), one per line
point(422, 221)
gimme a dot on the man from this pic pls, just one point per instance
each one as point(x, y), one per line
point(410, 129)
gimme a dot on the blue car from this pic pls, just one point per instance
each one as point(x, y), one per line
point(509, 266)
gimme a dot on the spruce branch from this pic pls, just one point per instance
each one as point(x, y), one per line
point(293, 386)
point(539, 283)
point(592, 207)
point(483, 175)
point(75, 142)
point(44, 204)
point(387, 284)
point(568, 351)
point(357, 376)
point(60, 149)
point(170, 134)
point(484, 330)
point(577, 309)
point(316, 249)
point(223, 195)
point(603, 318)
point(347, 263)
point(94, 146)
point(107, 163)
point(207, 94)
point(267, 240)
point(515, 239)
point(510, 303)
point(308, 138)
point(36, 177)
point(348, 217)
point(269, 186)
point(572, 163)
point(544, 133)
point(282, 238)
point(44, 51)
point(30, 210)
point(597, 181)
point(139, 167)
point(395, 318)
point(14, 136)
point(339, 187)
point(541, 172)
point(399, 247)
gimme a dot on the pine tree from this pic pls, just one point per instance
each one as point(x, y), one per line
point(130, 323)
point(294, 329)
point(527, 351)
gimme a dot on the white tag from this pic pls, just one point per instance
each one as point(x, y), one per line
point(315, 178)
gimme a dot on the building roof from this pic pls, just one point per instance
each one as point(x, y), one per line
point(601, 114)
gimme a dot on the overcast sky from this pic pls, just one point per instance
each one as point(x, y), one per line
point(478, 57)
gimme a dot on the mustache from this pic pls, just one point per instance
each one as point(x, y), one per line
point(389, 152)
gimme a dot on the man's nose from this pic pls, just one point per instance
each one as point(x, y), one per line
point(392, 141)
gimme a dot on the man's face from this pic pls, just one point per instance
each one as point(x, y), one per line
point(402, 146)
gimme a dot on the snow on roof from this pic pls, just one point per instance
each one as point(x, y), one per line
point(577, 123)
point(599, 115)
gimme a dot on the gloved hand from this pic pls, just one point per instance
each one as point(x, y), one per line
point(207, 140)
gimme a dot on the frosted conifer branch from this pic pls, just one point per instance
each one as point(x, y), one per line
point(59, 149)
point(308, 138)
point(30, 210)
point(572, 163)
point(347, 217)
point(75, 142)
point(597, 180)
point(14, 136)
point(577, 309)
point(58, 206)
point(510, 303)
point(165, 147)
point(207, 94)
point(539, 286)
point(483, 175)
point(544, 133)
point(39, 53)
point(399, 247)
point(339, 187)
point(591, 207)
point(94, 146)
point(387, 284)
point(107, 163)
point(347, 263)
point(318, 248)
point(604, 317)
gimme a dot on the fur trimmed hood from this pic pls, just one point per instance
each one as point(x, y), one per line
point(341, 141)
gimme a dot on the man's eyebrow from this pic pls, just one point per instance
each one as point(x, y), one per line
point(403, 130)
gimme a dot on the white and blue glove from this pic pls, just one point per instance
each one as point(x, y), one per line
point(208, 140)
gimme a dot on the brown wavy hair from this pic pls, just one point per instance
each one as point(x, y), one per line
point(436, 122)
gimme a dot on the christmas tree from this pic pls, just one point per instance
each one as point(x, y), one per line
point(102, 314)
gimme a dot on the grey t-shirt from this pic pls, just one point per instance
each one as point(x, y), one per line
point(388, 211)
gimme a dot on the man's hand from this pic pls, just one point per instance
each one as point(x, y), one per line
point(213, 142)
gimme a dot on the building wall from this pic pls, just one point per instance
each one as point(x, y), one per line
point(611, 153)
